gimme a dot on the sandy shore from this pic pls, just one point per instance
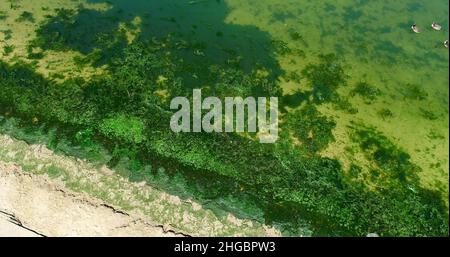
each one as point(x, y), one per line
point(9, 226)
point(33, 205)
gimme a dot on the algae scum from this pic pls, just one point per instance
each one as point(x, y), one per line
point(364, 133)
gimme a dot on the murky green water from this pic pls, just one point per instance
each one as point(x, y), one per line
point(372, 38)
point(406, 73)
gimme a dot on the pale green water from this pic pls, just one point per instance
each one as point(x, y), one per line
point(374, 40)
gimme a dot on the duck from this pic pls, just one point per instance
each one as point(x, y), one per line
point(436, 26)
point(446, 43)
point(415, 28)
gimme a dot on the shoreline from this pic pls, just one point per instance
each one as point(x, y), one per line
point(10, 226)
point(32, 205)
point(80, 199)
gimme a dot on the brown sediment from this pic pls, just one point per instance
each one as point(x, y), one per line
point(33, 205)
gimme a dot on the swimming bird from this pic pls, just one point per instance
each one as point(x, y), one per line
point(446, 43)
point(436, 26)
point(415, 28)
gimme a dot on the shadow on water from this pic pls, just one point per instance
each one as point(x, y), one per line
point(200, 24)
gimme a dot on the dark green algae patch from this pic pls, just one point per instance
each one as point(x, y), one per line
point(292, 187)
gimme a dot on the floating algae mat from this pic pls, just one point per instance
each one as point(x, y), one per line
point(363, 133)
